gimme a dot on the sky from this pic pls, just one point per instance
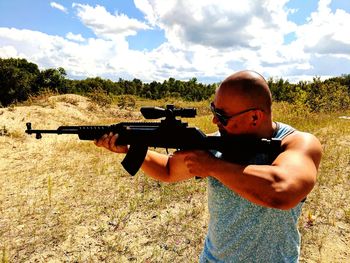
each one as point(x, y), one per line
point(183, 39)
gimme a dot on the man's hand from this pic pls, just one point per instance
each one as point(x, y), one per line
point(108, 141)
point(198, 163)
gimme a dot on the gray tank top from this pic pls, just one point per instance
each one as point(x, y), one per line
point(240, 231)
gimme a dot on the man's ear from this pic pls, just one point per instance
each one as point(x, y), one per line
point(256, 117)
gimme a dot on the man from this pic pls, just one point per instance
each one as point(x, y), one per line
point(253, 208)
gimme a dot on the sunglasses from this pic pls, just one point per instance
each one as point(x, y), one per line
point(222, 117)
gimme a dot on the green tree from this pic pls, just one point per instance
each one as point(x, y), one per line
point(18, 79)
point(53, 79)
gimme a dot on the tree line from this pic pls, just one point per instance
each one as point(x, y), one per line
point(20, 79)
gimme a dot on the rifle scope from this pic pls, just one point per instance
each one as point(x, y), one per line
point(169, 112)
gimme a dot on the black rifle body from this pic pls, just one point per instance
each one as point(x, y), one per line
point(170, 133)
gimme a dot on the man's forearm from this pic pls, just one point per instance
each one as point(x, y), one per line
point(260, 184)
point(155, 166)
point(165, 168)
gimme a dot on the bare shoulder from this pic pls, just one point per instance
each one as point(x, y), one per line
point(304, 143)
point(300, 139)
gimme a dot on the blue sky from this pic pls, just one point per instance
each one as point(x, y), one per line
point(156, 40)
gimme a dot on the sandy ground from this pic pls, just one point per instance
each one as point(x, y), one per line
point(83, 211)
point(61, 200)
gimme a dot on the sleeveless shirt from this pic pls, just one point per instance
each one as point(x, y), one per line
point(241, 231)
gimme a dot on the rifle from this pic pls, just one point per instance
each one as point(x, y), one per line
point(169, 133)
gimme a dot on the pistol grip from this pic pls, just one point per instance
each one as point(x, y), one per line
point(134, 158)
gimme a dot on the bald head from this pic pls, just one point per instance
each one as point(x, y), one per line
point(249, 86)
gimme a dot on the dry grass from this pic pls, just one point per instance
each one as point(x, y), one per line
point(64, 200)
point(325, 222)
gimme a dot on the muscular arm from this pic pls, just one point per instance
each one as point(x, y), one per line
point(165, 168)
point(156, 165)
point(280, 185)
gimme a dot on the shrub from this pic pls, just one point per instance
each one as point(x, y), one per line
point(100, 97)
point(327, 97)
point(126, 101)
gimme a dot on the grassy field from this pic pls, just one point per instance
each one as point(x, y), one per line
point(65, 200)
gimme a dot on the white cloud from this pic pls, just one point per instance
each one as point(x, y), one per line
point(94, 57)
point(8, 52)
point(219, 24)
point(107, 25)
point(205, 39)
point(59, 7)
point(221, 38)
point(326, 32)
point(75, 37)
point(322, 45)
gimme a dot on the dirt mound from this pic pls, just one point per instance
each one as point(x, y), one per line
point(54, 111)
